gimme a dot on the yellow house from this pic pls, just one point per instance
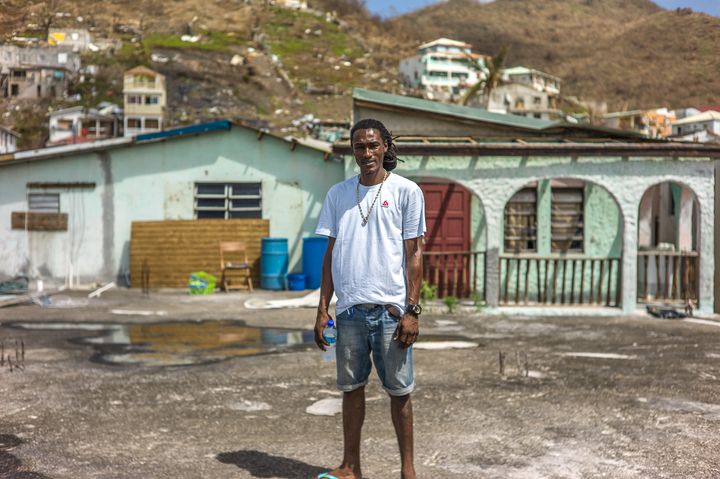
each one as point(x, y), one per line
point(144, 101)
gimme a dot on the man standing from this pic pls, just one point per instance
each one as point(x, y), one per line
point(375, 223)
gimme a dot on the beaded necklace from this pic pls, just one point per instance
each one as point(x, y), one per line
point(365, 219)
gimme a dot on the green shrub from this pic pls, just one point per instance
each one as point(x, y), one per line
point(451, 302)
point(478, 301)
point(427, 292)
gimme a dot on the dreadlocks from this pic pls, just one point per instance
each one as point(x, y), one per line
point(390, 159)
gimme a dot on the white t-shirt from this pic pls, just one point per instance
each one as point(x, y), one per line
point(368, 262)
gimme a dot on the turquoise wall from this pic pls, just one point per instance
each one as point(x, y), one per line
point(155, 181)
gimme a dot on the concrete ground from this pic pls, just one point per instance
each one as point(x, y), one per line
point(578, 397)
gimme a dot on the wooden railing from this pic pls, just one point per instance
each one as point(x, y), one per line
point(668, 275)
point(559, 280)
point(455, 273)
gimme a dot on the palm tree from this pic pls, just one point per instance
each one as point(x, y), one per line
point(492, 79)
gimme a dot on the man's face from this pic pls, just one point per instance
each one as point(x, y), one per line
point(369, 150)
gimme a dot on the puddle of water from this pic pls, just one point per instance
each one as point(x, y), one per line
point(179, 343)
point(189, 343)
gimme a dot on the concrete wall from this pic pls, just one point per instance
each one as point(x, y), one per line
point(154, 182)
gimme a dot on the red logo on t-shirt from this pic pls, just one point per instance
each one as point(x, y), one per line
point(385, 204)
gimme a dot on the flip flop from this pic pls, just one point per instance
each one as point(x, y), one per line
point(326, 475)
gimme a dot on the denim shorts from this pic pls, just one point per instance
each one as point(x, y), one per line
point(365, 330)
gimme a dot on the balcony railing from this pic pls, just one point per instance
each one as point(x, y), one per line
point(669, 276)
point(559, 280)
point(455, 273)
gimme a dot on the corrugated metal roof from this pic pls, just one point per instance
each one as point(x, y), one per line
point(446, 42)
point(457, 111)
point(175, 133)
point(185, 130)
point(12, 132)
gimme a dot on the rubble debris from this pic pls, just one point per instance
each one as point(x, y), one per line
point(598, 355)
point(157, 58)
point(436, 345)
point(665, 312)
point(17, 285)
point(18, 299)
point(238, 60)
point(132, 312)
point(59, 302)
point(325, 407)
point(100, 291)
point(310, 300)
point(250, 406)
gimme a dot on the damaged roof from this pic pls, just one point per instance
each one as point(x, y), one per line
point(165, 135)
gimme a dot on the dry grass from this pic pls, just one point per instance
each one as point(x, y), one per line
point(626, 52)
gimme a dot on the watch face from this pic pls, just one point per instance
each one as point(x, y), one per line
point(414, 309)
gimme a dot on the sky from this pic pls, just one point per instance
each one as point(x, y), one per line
point(386, 8)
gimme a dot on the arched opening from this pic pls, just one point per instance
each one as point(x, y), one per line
point(455, 242)
point(668, 244)
point(561, 245)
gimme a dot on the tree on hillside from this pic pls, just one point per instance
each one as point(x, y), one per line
point(493, 78)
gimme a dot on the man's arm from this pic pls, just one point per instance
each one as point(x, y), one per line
point(326, 293)
point(408, 327)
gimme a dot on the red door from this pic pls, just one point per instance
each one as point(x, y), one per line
point(447, 213)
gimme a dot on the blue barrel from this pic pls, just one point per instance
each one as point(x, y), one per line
point(312, 259)
point(273, 263)
point(296, 282)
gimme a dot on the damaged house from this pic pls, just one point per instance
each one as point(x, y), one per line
point(36, 72)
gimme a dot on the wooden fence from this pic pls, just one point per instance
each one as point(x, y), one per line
point(668, 275)
point(559, 280)
point(175, 249)
point(455, 273)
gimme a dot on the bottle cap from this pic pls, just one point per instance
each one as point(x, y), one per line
point(331, 323)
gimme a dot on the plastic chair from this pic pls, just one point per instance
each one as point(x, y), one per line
point(235, 262)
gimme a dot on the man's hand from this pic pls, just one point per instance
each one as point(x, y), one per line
point(320, 322)
point(407, 330)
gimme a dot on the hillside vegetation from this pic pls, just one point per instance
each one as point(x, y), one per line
point(629, 53)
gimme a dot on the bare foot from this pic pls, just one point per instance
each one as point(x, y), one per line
point(346, 472)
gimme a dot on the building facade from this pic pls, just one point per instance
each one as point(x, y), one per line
point(656, 123)
point(145, 97)
point(97, 190)
point(77, 39)
point(8, 140)
point(36, 72)
point(523, 100)
point(702, 127)
point(527, 220)
point(79, 124)
point(443, 69)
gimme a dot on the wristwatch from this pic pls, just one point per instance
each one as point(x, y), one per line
point(414, 309)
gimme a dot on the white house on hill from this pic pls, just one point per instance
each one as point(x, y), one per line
point(443, 68)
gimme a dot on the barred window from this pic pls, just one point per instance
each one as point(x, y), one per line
point(567, 232)
point(521, 222)
point(44, 202)
point(228, 200)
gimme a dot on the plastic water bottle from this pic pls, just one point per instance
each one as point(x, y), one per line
point(330, 336)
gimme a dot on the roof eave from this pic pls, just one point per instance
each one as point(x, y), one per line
point(553, 149)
